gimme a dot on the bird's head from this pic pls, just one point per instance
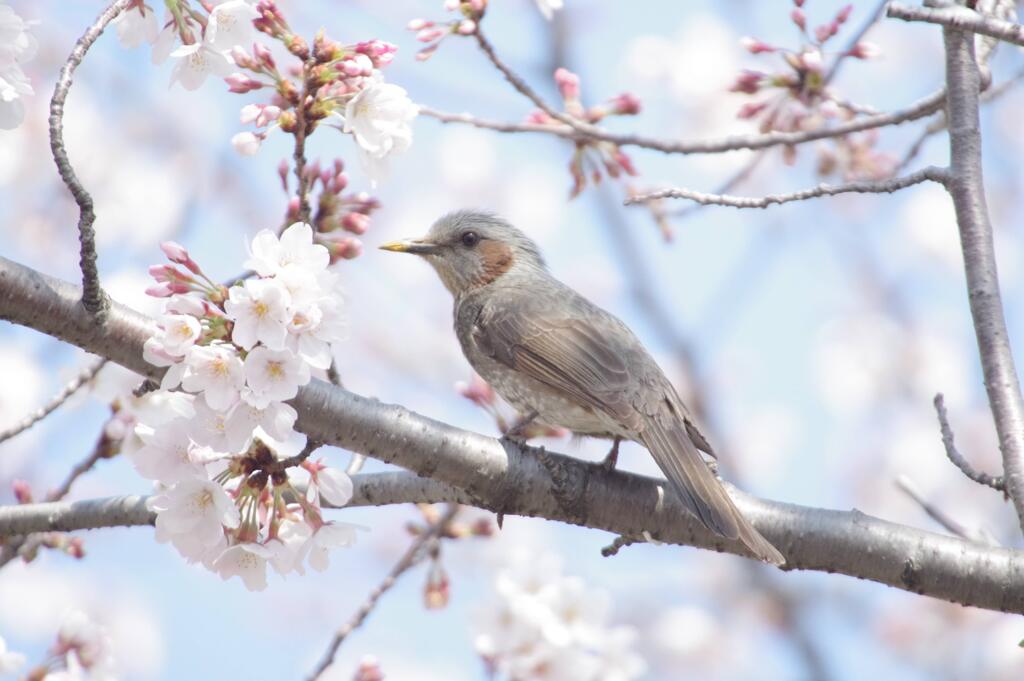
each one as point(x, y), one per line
point(470, 249)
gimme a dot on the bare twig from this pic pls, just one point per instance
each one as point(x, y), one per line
point(996, 482)
point(966, 186)
point(83, 377)
point(934, 512)
point(411, 557)
point(876, 15)
point(864, 187)
point(93, 297)
point(960, 18)
point(734, 181)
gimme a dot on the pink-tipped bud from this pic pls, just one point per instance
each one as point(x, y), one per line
point(161, 290)
point(798, 18)
point(427, 52)
point(568, 84)
point(249, 113)
point(242, 59)
point(22, 491)
point(418, 25)
point(190, 305)
point(755, 46)
point(239, 83)
point(175, 252)
point(262, 53)
point(751, 109)
point(339, 183)
point(267, 114)
point(293, 207)
point(844, 14)
point(748, 82)
point(429, 35)
point(865, 50)
point(477, 391)
point(357, 223)
point(369, 670)
point(75, 548)
point(538, 117)
point(466, 27)
point(825, 31)
point(625, 162)
point(282, 172)
point(626, 104)
point(345, 248)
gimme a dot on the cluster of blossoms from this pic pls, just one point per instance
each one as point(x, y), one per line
point(17, 46)
point(480, 393)
point(800, 97)
point(545, 625)
point(223, 444)
point(81, 652)
point(339, 83)
point(470, 12)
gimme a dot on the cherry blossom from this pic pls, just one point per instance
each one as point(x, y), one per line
point(333, 484)
point(290, 548)
point(209, 428)
point(259, 309)
point(166, 454)
point(195, 63)
point(195, 509)
point(137, 25)
point(86, 646)
point(17, 46)
point(329, 536)
point(276, 419)
point(246, 143)
point(215, 370)
point(230, 25)
point(274, 375)
point(379, 118)
point(248, 561)
point(270, 255)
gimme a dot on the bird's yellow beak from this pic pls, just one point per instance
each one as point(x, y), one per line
point(417, 246)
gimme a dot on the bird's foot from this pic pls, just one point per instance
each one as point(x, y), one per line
point(517, 433)
point(612, 457)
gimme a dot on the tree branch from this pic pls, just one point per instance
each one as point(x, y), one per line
point(960, 18)
point(93, 297)
point(83, 377)
point(411, 557)
point(864, 187)
point(502, 477)
point(995, 482)
point(966, 187)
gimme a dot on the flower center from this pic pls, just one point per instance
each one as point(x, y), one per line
point(275, 370)
point(260, 309)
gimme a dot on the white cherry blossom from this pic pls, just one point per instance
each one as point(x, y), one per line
point(248, 561)
point(332, 535)
point(179, 333)
point(276, 419)
point(209, 428)
point(380, 117)
point(231, 24)
point(259, 309)
point(290, 548)
point(154, 353)
point(217, 371)
point(195, 63)
point(333, 484)
point(270, 255)
point(164, 45)
point(197, 508)
point(137, 25)
point(274, 375)
point(246, 143)
point(166, 453)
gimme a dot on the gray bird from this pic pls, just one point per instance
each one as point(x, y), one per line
point(563, 361)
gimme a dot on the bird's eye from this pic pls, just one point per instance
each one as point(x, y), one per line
point(470, 239)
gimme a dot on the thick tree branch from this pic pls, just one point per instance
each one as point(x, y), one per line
point(502, 477)
point(864, 187)
point(960, 18)
point(83, 377)
point(966, 186)
point(93, 297)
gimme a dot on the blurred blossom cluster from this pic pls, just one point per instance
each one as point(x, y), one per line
point(17, 46)
point(339, 84)
point(800, 98)
point(545, 625)
point(233, 356)
point(82, 652)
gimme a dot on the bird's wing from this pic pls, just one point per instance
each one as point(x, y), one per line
point(592, 359)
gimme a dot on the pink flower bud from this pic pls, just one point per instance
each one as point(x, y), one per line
point(427, 52)
point(263, 54)
point(161, 290)
point(357, 223)
point(626, 104)
point(239, 83)
point(748, 82)
point(798, 3)
point(865, 50)
point(22, 491)
point(751, 109)
point(825, 31)
point(438, 588)
point(344, 248)
point(538, 117)
point(369, 670)
point(844, 14)
point(451, 5)
point(339, 183)
point(418, 25)
point(755, 46)
point(249, 113)
point(568, 84)
point(76, 548)
point(282, 172)
point(429, 35)
point(189, 305)
point(477, 391)
point(625, 162)
point(267, 114)
point(467, 27)
point(293, 206)
point(175, 252)
point(799, 19)
point(242, 59)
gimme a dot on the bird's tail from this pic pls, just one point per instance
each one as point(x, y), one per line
point(699, 490)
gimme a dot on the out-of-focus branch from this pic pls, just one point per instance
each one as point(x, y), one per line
point(93, 297)
point(411, 557)
point(966, 186)
point(939, 515)
point(960, 18)
point(504, 477)
point(83, 377)
point(995, 482)
point(863, 187)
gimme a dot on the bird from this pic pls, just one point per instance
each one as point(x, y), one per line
point(560, 360)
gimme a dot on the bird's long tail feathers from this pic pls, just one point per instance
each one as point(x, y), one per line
point(699, 490)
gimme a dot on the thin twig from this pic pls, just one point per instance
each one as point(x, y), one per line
point(994, 481)
point(411, 556)
point(966, 187)
point(851, 44)
point(299, 154)
point(863, 187)
point(93, 297)
point(741, 176)
point(960, 18)
point(83, 377)
point(941, 517)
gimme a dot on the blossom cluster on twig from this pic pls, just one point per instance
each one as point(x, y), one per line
point(221, 447)
point(17, 46)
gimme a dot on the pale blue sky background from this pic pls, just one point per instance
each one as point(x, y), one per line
point(821, 393)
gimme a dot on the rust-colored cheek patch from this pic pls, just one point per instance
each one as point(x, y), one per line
point(496, 259)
